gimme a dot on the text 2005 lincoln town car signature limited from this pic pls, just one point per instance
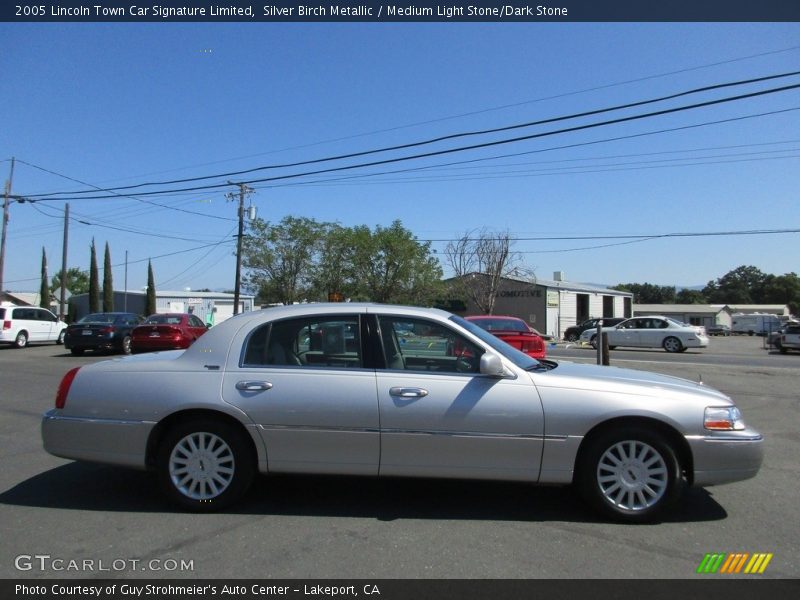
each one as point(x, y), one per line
point(368, 389)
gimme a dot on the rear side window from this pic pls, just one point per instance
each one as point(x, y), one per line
point(2, 313)
point(321, 341)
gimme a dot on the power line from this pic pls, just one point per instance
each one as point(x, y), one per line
point(474, 146)
point(470, 134)
point(122, 195)
point(529, 152)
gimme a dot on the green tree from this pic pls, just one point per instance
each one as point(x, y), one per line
point(108, 283)
point(687, 296)
point(743, 285)
point(44, 289)
point(649, 293)
point(150, 308)
point(391, 266)
point(281, 259)
point(94, 283)
point(77, 281)
point(782, 289)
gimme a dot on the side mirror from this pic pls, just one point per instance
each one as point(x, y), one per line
point(491, 365)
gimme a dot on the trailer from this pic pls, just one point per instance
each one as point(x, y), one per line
point(754, 323)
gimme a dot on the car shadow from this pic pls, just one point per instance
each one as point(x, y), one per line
point(84, 486)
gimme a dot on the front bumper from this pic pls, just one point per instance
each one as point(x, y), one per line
point(109, 441)
point(726, 457)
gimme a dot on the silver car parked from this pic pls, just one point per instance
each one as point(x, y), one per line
point(366, 389)
point(652, 332)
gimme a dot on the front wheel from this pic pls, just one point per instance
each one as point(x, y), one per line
point(673, 344)
point(126, 345)
point(572, 337)
point(630, 474)
point(204, 465)
point(593, 342)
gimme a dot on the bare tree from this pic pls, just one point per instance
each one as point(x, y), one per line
point(480, 260)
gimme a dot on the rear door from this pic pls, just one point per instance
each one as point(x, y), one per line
point(303, 381)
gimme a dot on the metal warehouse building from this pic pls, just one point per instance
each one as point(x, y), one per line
point(552, 305)
point(210, 307)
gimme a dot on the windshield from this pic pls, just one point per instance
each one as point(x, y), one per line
point(520, 359)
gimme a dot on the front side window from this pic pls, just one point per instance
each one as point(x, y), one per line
point(322, 341)
point(419, 345)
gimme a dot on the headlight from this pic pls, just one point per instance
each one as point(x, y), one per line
point(727, 418)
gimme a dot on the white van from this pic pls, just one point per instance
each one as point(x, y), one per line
point(29, 324)
point(755, 324)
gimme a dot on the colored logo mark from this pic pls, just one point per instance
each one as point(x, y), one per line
point(735, 563)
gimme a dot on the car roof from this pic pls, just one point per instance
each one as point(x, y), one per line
point(476, 317)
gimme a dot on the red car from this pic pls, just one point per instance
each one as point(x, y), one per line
point(168, 331)
point(513, 331)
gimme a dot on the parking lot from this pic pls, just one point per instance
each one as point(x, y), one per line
point(320, 527)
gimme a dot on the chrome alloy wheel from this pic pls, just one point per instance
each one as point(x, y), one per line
point(632, 475)
point(201, 466)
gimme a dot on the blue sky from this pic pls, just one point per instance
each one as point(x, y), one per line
point(119, 104)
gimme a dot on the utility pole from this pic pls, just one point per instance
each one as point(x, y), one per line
point(64, 278)
point(243, 189)
point(5, 224)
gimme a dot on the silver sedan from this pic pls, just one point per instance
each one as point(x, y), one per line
point(367, 389)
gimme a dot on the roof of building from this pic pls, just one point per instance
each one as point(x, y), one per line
point(571, 286)
point(662, 309)
point(181, 294)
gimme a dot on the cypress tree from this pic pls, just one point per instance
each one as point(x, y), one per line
point(108, 284)
point(44, 288)
point(94, 283)
point(151, 291)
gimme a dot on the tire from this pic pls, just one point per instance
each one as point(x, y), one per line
point(126, 345)
point(76, 351)
point(783, 350)
point(612, 347)
point(204, 465)
point(629, 474)
point(60, 338)
point(593, 342)
point(21, 340)
point(672, 344)
point(572, 337)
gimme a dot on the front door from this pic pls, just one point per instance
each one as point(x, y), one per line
point(440, 417)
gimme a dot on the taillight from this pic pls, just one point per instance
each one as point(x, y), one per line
point(106, 330)
point(6, 324)
point(63, 387)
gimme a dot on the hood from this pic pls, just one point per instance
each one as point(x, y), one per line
point(623, 381)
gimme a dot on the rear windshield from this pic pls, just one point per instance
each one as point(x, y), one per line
point(164, 320)
point(501, 325)
point(97, 318)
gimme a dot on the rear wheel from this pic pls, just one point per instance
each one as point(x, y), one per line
point(60, 338)
point(672, 344)
point(126, 344)
point(204, 465)
point(629, 474)
point(572, 337)
point(21, 340)
point(593, 342)
point(76, 351)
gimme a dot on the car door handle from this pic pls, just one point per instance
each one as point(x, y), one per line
point(253, 386)
point(408, 392)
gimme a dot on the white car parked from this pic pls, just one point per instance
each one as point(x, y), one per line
point(652, 332)
point(22, 325)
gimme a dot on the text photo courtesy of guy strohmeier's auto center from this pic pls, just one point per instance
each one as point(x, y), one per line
point(454, 300)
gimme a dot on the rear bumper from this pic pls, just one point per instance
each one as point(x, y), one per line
point(726, 458)
point(109, 441)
